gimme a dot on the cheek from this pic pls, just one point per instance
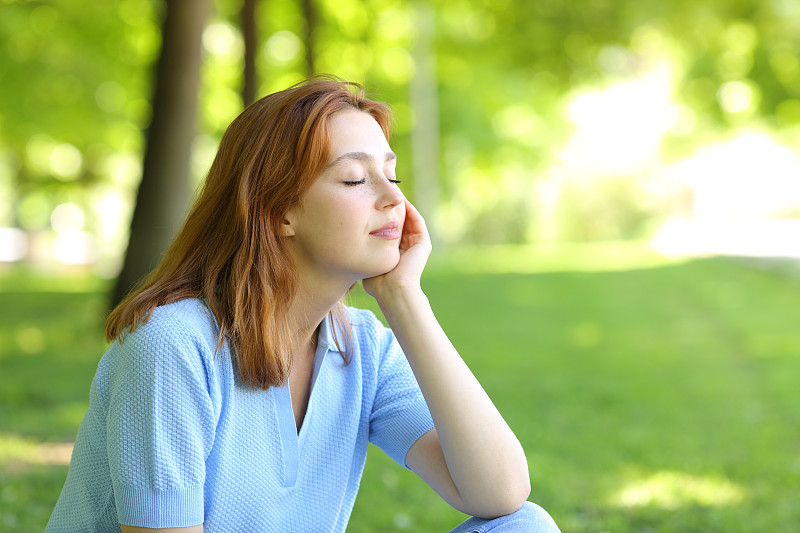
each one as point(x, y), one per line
point(350, 209)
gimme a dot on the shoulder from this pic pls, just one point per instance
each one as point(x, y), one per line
point(366, 327)
point(373, 341)
point(186, 320)
point(182, 334)
point(362, 317)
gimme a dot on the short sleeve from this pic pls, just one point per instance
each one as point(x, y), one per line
point(160, 425)
point(400, 415)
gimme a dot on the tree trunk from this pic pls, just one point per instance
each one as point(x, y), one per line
point(164, 190)
point(250, 44)
point(310, 14)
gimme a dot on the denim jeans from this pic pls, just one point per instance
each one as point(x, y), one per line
point(529, 519)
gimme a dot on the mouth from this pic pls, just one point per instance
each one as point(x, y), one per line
point(390, 230)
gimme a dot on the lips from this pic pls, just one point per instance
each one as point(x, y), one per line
point(390, 230)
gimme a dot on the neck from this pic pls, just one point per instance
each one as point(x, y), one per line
point(310, 305)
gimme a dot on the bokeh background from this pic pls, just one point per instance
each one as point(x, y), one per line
point(613, 188)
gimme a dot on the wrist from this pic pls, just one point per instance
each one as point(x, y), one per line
point(400, 297)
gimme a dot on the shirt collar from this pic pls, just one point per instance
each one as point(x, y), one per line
point(325, 336)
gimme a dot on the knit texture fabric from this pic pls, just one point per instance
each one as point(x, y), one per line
point(172, 438)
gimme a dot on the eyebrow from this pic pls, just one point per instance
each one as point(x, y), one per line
point(359, 156)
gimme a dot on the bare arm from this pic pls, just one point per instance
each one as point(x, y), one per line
point(471, 458)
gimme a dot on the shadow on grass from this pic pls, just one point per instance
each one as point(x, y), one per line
point(28, 495)
point(50, 343)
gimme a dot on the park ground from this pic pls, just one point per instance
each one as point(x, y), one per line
point(650, 395)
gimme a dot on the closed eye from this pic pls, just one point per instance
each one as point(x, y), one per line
point(362, 181)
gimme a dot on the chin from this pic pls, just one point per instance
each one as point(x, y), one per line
point(384, 266)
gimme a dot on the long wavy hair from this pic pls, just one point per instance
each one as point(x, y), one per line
point(229, 251)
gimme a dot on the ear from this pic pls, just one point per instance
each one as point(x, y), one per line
point(287, 226)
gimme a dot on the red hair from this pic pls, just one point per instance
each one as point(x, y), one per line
point(229, 250)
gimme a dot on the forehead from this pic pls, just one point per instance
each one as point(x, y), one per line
point(356, 131)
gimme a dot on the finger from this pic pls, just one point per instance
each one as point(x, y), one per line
point(414, 220)
point(415, 232)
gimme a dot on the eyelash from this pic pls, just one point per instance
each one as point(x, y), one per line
point(360, 182)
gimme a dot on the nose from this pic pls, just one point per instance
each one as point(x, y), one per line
point(389, 195)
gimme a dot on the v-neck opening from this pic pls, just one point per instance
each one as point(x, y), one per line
point(319, 359)
point(291, 438)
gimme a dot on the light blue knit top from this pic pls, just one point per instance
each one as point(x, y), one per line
point(173, 439)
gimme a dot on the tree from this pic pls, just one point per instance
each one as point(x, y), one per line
point(310, 16)
point(164, 190)
point(250, 33)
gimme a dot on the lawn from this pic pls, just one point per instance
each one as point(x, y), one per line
point(650, 396)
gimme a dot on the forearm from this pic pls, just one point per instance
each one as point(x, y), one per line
point(484, 458)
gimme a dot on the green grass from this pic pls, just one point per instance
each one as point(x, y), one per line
point(654, 399)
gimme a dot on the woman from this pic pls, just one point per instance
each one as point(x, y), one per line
point(240, 394)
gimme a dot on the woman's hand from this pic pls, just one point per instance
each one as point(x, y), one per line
point(415, 248)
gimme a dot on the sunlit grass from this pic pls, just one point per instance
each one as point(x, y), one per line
point(657, 397)
point(16, 452)
point(671, 490)
point(555, 257)
point(17, 278)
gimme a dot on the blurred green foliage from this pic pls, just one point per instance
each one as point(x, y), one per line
point(76, 83)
